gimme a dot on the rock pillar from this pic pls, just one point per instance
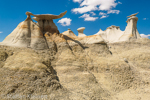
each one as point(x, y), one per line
point(80, 32)
point(131, 28)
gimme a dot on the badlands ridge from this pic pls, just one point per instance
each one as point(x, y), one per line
point(39, 63)
point(38, 35)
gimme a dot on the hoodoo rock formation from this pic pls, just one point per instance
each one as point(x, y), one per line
point(113, 33)
point(31, 34)
point(80, 32)
point(38, 35)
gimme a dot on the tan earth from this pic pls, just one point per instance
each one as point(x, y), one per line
point(39, 63)
point(118, 71)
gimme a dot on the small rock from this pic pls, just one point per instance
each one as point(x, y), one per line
point(126, 60)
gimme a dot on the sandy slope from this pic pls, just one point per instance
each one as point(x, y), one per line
point(119, 71)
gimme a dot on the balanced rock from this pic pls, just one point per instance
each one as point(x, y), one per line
point(80, 32)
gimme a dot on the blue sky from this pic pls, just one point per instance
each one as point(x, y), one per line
point(91, 14)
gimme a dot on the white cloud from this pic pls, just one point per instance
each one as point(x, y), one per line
point(119, 2)
point(113, 11)
point(93, 14)
point(104, 16)
point(87, 17)
point(84, 9)
point(65, 21)
point(93, 5)
point(145, 18)
point(107, 4)
point(101, 13)
point(1, 32)
point(145, 36)
point(79, 1)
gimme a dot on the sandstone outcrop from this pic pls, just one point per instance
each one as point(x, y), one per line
point(113, 33)
point(69, 33)
point(72, 39)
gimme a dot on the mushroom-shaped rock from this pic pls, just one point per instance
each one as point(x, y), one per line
point(80, 32)
point(45, 22)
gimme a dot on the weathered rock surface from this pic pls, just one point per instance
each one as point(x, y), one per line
point(113, 33)
point(118, 71)
point(69, 33)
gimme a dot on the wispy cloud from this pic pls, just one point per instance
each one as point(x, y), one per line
point(145, 36)
point(145, 18)
point(79, 1)
point(65, 21)
point(1, 32)
point(119, 2)
point(104, 16)
point(87, 17)
point(113, 12)
point(101, 13)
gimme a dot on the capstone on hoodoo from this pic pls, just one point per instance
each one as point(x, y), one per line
point(80, 32)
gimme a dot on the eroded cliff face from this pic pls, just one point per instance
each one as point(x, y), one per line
point(118, 71)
